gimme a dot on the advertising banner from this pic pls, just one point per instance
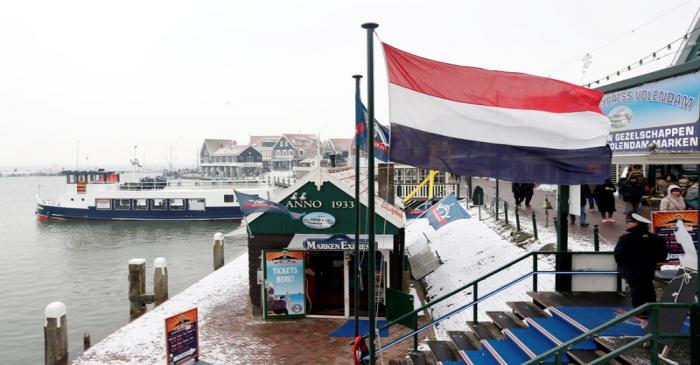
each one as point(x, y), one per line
point(664, 225)
point(664, 112)
point(182, 338)
point(284, 285)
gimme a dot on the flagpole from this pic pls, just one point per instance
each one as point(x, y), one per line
point(356, 272)
point(370, 27)
point(563, 263)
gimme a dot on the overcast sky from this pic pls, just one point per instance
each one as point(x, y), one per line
point(160, 74)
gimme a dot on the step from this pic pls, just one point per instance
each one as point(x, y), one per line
point(421, 358)
point(527, 310)
point(485, 330)
point(478, 357)
point(587, 318)
point(586, 356)
point(533, 342)
point(505, 320)
point(460, 362)
point(633, 356)
point(444, 350)
point(559, 331)
point(465, 340)
point(579, 299)
point(505, 351)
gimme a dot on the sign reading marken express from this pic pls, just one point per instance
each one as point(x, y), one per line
point(663, 112)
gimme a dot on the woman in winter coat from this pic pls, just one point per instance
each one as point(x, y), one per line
point(674, 200)
point(605, 197)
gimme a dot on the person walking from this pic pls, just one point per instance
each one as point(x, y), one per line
point(585, 192)
point(605, 197)
point(637, 254)
point(527, 190)
point(517, 193)
point(632, 191)
point(691, 195)
point(674, 200)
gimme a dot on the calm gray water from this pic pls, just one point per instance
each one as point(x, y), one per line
point(84, 265)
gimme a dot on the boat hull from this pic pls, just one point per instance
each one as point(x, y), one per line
point(46, 212)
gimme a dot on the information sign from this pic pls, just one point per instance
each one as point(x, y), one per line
point(284, 285)
point(664, 225)
point(182, 338)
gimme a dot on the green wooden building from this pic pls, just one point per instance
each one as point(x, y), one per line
point(326, 235)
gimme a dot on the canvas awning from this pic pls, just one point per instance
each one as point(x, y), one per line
point(337, 242)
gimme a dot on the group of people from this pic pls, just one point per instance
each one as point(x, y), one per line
point(523, 192)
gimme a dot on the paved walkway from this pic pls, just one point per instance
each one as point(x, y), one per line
point(609, 233)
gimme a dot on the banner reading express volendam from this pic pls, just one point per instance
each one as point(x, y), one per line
point(664, 112)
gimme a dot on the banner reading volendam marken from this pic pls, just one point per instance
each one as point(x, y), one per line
point(663, 112)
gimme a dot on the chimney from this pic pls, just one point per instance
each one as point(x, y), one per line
point(387, 187)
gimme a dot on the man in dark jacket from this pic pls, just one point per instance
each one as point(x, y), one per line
point(637, 253)
point(632, 191)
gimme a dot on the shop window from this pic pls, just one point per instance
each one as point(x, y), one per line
point(122, 204)
point(158, 204)
point(103, 204)
point(140, 204)
point(196, 204)
point(177, 204)
point(229, 198)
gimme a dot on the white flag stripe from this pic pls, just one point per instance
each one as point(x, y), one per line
point(515, 127)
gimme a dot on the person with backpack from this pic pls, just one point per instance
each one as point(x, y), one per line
point(632, 191)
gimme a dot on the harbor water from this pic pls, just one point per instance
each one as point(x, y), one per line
point(84, 265)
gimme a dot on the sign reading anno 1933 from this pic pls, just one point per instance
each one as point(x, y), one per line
point(182, 338)
point(664, 113)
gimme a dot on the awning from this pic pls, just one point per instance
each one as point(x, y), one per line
point(656, 158)
point(338, 242)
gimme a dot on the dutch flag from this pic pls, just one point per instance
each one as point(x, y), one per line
point(510, 126)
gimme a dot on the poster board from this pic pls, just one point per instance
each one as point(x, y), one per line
point(182, 338)
point(663, 224)
point(284, 285)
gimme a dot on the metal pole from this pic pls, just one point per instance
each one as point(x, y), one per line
point(505, 210)
point(469, 187)
point(356, 268)
point(370, 27)
point(496, 199)
point(517, 219)
point(563, 263)
point(596, 238)
point(534, 225)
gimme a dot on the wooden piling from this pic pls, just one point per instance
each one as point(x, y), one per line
point(55, 334)
point(86, 341)
point(137, 287)
point(160, 280)
point(218, 250)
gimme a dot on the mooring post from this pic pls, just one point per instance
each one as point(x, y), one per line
point(596, 238)
point(160, 280)
point(218, 250)
point(534, 225)
point(137, 286)
point(55, 334)
point(86, 341)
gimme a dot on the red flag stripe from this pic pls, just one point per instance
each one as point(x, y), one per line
point(478, 86)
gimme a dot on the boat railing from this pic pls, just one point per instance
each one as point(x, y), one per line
point(193, 184)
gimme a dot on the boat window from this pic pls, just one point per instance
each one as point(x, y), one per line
point(70, 179)
point(177, 204)
point(82, 178)
point(196, 204)
point(228, 198)
point(122, 204)
point(158, 204)
point(103, 204)
point(140, 204)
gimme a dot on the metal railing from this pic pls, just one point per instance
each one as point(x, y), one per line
point(474, 285)
point(193, 184)
point(654, 335)
point(440, 190)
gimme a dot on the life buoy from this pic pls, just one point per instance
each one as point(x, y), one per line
point(359, 351)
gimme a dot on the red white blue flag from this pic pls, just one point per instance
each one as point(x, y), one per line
point(381, 133)
point(506, 125)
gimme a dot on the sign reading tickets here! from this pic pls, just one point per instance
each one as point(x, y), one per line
point(182, 338)
point(284, 292)
point(664, 225)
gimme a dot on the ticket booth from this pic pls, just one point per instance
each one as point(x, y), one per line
point(324, 238)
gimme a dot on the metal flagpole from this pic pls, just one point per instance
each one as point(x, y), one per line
point(356, 272)
point(372, 249)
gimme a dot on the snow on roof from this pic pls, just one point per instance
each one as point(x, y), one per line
point(342, 144)
point(257, 141)
point(231, 150)
point(213, 145)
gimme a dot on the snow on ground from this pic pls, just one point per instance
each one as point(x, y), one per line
point(546, 187)
point(142, 340)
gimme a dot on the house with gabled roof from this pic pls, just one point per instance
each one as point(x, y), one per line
point(225, 158)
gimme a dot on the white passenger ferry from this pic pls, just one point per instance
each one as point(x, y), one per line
point(101, 195)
